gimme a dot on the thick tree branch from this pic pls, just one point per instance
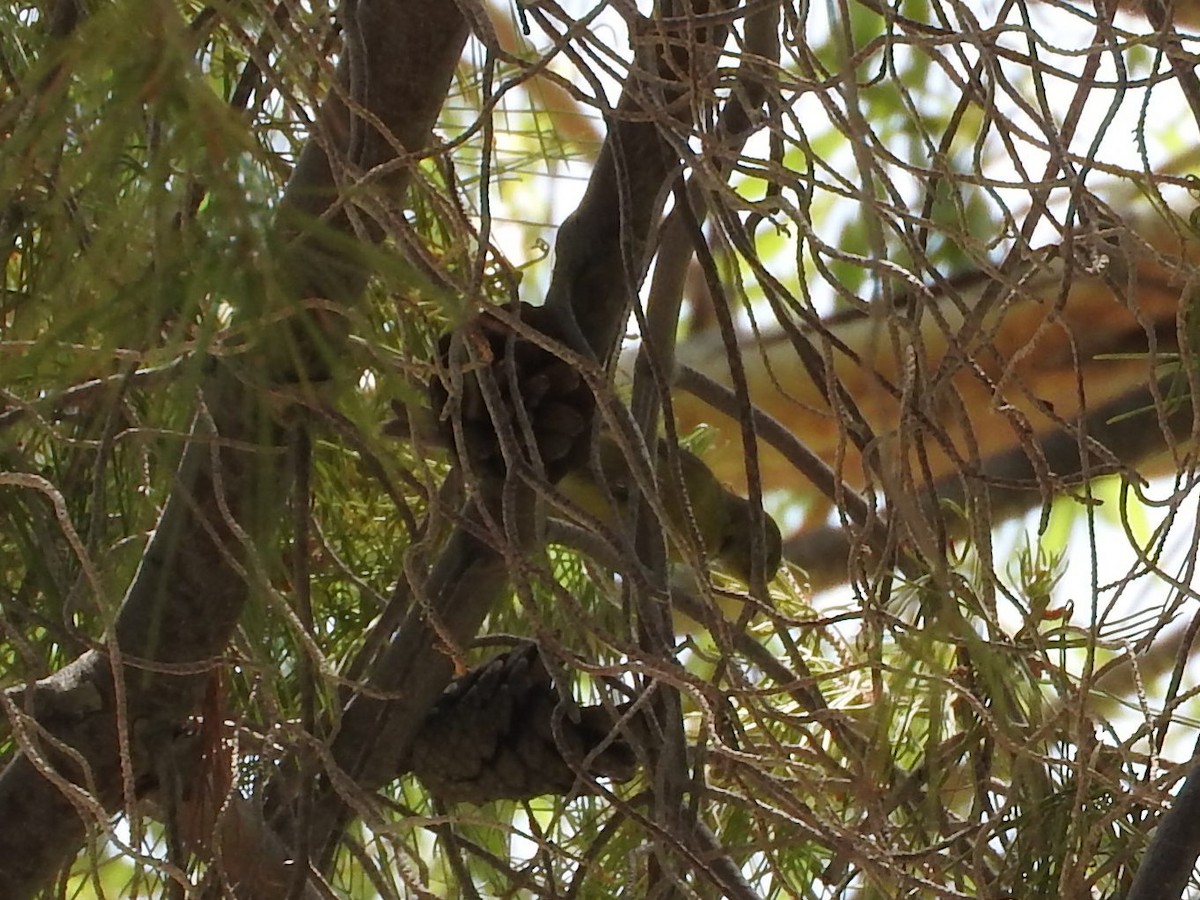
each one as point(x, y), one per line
point(602, 251)
point(377, 728)
point(409, 51)
point(501, 731)
point(177, 616)
point(1167, 866)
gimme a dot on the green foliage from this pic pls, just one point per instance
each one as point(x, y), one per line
point(934, 726)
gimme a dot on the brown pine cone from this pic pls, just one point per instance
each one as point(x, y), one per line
point(556, 402)
point(492, 736)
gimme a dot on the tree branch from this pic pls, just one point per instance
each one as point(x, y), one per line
point(1171, 856)
point(177, 616)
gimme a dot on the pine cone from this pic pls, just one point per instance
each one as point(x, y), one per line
point(553, 397)
point(491, 736)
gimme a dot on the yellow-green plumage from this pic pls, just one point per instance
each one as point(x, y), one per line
point(723, 520)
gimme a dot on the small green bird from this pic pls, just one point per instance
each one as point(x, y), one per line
point(723, 520)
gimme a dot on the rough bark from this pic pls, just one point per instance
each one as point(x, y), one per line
point(503, 732)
